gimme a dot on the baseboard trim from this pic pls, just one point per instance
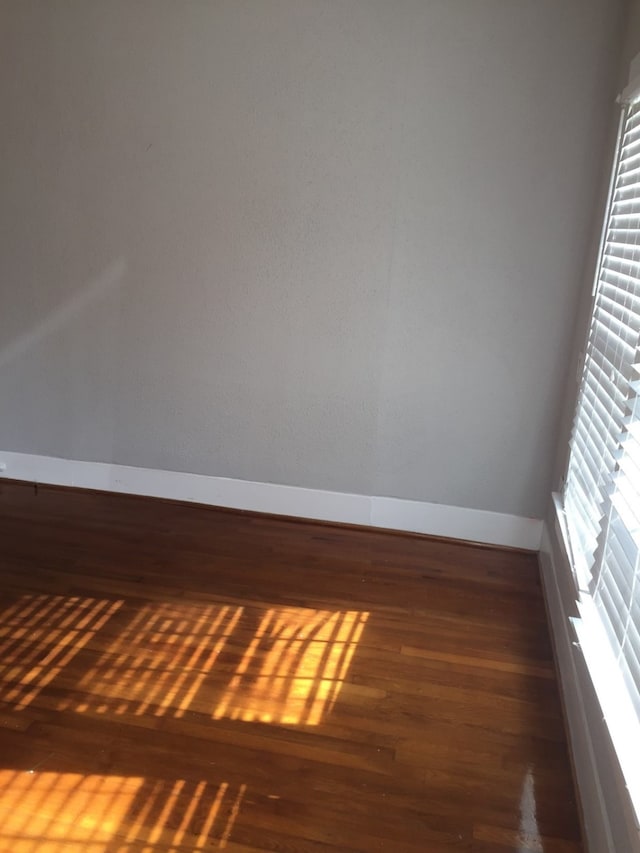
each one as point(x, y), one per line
point(608, 824)
point(409, 516)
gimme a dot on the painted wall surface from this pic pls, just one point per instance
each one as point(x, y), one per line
point(326, 243)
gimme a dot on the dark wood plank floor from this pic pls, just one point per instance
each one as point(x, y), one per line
point(178, 678)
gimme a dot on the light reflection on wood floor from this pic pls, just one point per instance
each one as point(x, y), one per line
point(175, 678)
point(285, 666)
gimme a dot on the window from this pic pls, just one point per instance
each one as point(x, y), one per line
point(602, 486)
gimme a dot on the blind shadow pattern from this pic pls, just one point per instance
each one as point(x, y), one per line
point(44, 812)
point(294, 666)
point(157, 663)
point(40, 635)
point(259, 663)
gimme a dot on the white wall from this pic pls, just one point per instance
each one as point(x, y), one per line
point(327, 243)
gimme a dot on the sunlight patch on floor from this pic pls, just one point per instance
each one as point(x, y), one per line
point(43, 812)
point(294, 667)
point(254, 663)
point(40, 635)
point(159, 661)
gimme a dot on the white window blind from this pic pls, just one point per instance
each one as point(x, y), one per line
point(602, 486)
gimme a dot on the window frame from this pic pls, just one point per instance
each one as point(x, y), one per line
point(622, 719)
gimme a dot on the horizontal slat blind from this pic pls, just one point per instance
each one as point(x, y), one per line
point(602, 487)
point(601, 405)
point(616, 585)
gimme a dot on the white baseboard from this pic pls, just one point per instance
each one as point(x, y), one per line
point(412, 516)
point(607, 813)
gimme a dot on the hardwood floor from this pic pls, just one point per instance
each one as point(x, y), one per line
point(178, 678)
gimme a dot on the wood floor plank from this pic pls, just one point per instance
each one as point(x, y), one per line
point(177, 678)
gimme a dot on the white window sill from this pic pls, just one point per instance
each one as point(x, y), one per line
point(617, 709)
